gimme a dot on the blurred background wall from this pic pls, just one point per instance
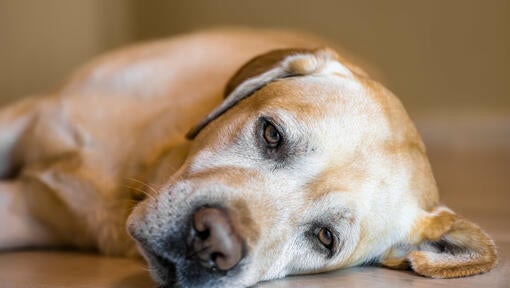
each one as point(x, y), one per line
point(446, 60)
point(432, 54)
point(41, 42)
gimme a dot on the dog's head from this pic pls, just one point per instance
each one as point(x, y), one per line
point(307, 166)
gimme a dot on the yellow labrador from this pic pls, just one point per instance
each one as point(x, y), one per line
point(306, 165)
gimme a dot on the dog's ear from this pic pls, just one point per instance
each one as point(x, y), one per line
point(443, 245)
point(266, 68)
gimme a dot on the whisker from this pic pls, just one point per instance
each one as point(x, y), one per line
point(141, 191)
point(133, 202)
point(143, 183)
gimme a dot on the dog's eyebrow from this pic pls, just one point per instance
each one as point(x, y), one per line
point(331, 210)
point(338, 214)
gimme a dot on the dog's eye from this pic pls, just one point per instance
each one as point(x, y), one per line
point(326, 238)
point(271, 135)
point(271, 141)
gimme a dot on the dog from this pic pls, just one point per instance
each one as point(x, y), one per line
point(232, 156)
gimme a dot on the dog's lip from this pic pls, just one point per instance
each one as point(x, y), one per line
point(156, 258)
point(162, 264)
point(161, 260)
point(152, 257)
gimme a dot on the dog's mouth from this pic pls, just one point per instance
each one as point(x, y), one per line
point(163, 262)
point(162, 269)
point(185, 272)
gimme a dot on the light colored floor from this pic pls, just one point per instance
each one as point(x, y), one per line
point(471, 161)
point(69, 269)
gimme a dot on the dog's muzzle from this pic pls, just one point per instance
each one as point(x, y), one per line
point(200, 251)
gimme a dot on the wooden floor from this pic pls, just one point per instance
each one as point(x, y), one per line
point(471, 160)
point(40, 269)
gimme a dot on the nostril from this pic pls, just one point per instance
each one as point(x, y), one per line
point(215, 242)
point(214, 256)
point(203, 234)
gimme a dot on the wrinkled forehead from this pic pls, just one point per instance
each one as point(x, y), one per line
point(327, 105)
point(315, 111)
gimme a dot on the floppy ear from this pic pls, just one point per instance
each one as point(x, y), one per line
point(444, 245)
point(266, 68)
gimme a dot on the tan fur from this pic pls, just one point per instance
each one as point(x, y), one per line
point(478, 252)
point(480, 255)
point(115, 133)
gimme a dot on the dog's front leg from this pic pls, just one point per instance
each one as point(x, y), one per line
point(18, 227)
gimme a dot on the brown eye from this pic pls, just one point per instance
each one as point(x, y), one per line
point(271, 135)
point(326, 237)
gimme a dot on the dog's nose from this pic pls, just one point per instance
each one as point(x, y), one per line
point(216, 244)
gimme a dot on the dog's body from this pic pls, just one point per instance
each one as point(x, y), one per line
point(347, 158)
